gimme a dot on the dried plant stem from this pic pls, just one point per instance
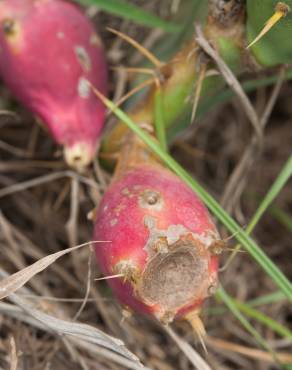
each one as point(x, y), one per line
point(198, 362)
point(231, 80)
point(13, 355)
point(235, 184)
point(89, 275)
point(246, 351)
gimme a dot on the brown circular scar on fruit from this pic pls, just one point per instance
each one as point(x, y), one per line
point(177, 278)
point(11, 28)
point(12, 32)
point(8, 26)
point(151, 199)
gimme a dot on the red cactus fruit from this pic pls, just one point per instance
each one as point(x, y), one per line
point(49, 51)
point(161, 240)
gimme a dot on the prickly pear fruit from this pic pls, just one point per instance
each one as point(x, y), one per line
point(49, 51)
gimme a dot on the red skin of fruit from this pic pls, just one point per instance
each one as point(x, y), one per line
point(47, 55)
point(120, 219)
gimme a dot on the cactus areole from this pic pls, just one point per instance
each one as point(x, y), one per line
point(161, 240)
point(49, 51)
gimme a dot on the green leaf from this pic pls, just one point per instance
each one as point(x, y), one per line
point(134, 13)
point(255, 251)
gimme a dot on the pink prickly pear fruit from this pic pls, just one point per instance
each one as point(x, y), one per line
point(49, 51)
point(161, 240)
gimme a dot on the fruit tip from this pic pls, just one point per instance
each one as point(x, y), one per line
point(79, 155)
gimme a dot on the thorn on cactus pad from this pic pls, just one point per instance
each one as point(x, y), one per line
point(198, 326)
point(281, 11)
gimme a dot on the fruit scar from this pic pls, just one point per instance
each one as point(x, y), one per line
point(49, 51)
point(161, 240)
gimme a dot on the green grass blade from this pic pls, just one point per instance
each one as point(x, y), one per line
point(264, 319)
point(126, 10)
point(246, 309)
point(230, 303)
point(255, 251)
point(274, 297)
point(275, 189)
point(159, 120)
point(267, 299)
point(282, 217)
